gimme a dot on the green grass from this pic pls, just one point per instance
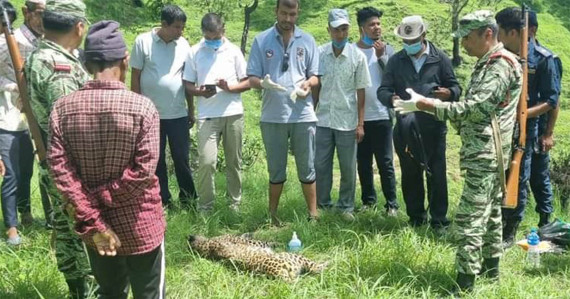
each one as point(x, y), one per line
point(373, 257)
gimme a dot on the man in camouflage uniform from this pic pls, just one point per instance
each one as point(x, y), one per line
point(52, 71)
point(485, 119)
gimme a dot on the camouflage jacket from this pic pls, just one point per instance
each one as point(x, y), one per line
point(495, 88)
point(51, 73)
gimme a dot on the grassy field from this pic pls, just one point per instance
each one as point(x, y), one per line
point(373, 257)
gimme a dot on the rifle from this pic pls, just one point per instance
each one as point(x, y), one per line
point(510, 199)
point(18, 64)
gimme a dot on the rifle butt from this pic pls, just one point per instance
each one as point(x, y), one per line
point(510, 200)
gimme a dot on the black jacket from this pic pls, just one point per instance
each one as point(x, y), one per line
point(401, 74)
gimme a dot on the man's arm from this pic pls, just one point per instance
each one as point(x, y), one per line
point(547, 139)
point(538, 110)
point(241, 86)
point(385, 92)
point(360, 94)
point(136, 80)
point(255, 82)
point(316, 92)
point(87, 214)
point(449, 81)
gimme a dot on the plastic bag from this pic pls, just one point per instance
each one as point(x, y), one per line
point(557, 232)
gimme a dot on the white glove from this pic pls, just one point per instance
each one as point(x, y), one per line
point(298, 93)
point(267, 83)
point(405, 107)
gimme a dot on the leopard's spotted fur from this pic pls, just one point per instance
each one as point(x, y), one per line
point(254, 255)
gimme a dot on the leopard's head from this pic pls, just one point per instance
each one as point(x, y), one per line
point(199, 244)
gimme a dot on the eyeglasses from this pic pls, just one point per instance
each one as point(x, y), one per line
point(285, 65)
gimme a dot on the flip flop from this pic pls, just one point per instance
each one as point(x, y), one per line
point(15, 241)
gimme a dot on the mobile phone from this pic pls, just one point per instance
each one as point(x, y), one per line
point(210, 87)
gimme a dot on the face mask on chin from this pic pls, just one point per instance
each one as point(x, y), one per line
point(339, 45)
point(413, 49)
point(367, 40)
point(213, 44)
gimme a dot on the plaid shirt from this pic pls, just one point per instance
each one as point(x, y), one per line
point(103, 151)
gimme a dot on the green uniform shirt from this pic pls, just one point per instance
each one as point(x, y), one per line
point(51, 73)
point(492, 80)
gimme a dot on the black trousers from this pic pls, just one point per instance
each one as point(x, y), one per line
point(176, 132)
point(377, 144)
point(433, 134)
point(144, 272)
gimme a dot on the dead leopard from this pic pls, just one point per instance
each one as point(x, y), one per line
point(254, 255)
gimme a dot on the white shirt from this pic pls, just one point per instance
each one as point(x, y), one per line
point(161, 66)
point(373, 108)
point(205, 66)
point(340, 78)
point(10, 116)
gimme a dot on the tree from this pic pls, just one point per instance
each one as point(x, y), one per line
point(456, 7)
point(248, 10)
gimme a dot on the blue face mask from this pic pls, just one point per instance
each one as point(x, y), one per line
point(339, 45)
point(367, 40)
point(213, 43)
point(413, 49)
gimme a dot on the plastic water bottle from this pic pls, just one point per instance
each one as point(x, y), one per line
point(295, 244)
point(533, 253)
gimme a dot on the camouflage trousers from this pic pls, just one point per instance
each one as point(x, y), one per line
point(478, 221)
point(70, 252)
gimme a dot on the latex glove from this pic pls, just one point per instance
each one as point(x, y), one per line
point(405, 107)
point(267, 83)
point(298, 93)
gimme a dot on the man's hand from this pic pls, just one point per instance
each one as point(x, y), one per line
point(442, 93)
point(395, 98)
point(546, 143)
point(267, 83)
point(379, 48)
point(223, 84)
point(359, 133)
point(207, 93)
point(2, 168)
point(191, 120)
point(301, 92)
point(106, 242)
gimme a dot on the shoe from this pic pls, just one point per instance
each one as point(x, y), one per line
point(367, 207)
point(544, 219)
point(417, 222)
point(348, 216)
point(26, 219)
point(392, 212)
point(490, 268)
point(465, 284)
point(78, 288)
point(14, 241)
point(510, 232)
point(234, 207)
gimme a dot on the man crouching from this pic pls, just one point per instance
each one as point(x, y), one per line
point(103, 152)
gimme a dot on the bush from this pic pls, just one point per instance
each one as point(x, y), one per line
point(560, 176)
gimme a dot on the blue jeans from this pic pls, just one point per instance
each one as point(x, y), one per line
point(176, 132)
point(327, 140)
point(18, 157)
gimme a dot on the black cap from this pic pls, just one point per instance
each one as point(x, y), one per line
point(532, 20)
point(104, 42)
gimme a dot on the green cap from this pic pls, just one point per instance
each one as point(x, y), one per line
point(72, 8)
point(474, 20)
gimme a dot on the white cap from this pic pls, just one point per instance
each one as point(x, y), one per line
point(338, 17)
point(411, 28)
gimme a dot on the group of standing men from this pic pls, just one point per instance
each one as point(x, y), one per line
point(107, 143)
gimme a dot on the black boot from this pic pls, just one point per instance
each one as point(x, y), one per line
point(465, 283)
point(544, 219)
point(491, 268)
point(78, 288)
point(510, 232)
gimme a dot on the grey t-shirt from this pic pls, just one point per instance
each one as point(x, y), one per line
point(267, 57)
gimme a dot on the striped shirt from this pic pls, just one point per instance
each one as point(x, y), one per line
point(103, 152)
